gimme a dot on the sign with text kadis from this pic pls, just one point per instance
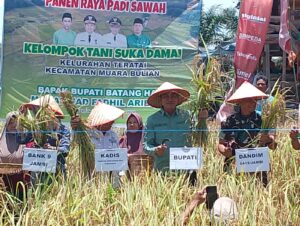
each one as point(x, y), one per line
point(39, 160)
point(185, 158)
point(114, 51)
point(252, 160)
point(111, 159)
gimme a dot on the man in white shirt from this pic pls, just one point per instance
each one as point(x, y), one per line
point(89, 37)
point(114, 39)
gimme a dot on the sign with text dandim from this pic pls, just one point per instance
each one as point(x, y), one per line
point(114, 51)
point(252, 160)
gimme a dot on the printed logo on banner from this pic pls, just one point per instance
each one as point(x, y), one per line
point(252, 160)
point(185, 158)
point(39, 160)
point(247, 56)
point(111, 159)
point(250, 38)
point(254, 18)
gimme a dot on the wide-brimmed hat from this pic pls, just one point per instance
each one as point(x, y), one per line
point(155, 99)
point(247, 91)
point(224, 209)
point(44, 101)
point(103, 113)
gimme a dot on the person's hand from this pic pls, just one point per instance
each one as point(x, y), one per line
point(203, 114)
point(200, 197)
point(265, 139)
point(48, 146)
point(294, 133)
point(159, 150)
point(75, 121)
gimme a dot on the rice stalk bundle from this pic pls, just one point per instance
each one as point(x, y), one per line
point(273, 112)
point(206, 82)
point(40, 122)
point(81, 140)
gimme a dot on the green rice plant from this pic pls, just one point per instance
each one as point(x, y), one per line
point(274, 113)
point(207, 83)
point(81, 139)
point(160, 200)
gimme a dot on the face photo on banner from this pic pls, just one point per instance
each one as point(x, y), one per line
point(91, 65)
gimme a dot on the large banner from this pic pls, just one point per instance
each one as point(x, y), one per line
point(114, 51)
point(252, 30)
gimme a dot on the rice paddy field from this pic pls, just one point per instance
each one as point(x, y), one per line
point(158, 200)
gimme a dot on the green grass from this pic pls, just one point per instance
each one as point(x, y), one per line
point(160, 201)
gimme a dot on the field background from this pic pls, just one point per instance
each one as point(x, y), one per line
point(23, 73)
point(156, 200)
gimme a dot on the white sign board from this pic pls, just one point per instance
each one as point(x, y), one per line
point(252, 159)
point(39, 160)
point(185, 158)
point(111, 159)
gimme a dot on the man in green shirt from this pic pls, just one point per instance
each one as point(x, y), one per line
point(65, 36)
point(138, 39)
point(168, 127)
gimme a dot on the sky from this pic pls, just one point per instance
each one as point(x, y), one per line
point(206, 4)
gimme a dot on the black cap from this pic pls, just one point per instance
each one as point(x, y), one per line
point(115, 20)
point(138, 21)
point(90, 19)
point(66, 15)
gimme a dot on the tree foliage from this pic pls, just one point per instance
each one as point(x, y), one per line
point(218, 24)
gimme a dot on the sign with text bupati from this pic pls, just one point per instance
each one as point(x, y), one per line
point(39, 160)
point(252, 160)
point(113, 51)
point(185, 158)
point(252, 30)
point(111, 159)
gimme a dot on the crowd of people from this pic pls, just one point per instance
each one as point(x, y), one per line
point(241, 129)
point(113, 39)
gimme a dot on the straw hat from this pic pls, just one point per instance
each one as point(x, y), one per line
point(246, 91)
point(155, 99)
point(103, 113)
point(224, 209)
point(44, 101)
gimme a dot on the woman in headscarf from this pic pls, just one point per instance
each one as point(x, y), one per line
point(11, 158)
point(134, 135)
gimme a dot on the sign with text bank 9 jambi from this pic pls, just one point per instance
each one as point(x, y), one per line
point(116, 52)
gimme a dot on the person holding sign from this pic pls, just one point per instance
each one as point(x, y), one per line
point(101, 120)
point(11, 157)
point(114, 39)
point(241, 130)
point(65, 36)
point(138, 39)
point(89, 37)
point(161, 126)
point(60, 142)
